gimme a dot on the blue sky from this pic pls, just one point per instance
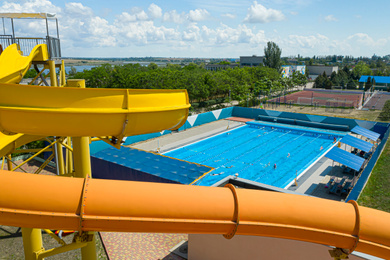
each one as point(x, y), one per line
point(213, 28)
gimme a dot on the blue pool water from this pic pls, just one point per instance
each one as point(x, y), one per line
point(253, 150)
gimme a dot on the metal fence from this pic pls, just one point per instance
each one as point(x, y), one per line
point(26, 44)
point(365, 175)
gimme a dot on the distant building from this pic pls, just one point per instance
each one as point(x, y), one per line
point(251, 61)
point(215, 67)
point(288, 70)
point(315, 71)
point(381, 82)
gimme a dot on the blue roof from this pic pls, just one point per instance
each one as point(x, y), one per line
point(366, 133)
point(378, 79)
point(346, 158)
point(356, 142)
point(162, 166)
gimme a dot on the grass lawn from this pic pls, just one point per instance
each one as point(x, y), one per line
point(376, 194)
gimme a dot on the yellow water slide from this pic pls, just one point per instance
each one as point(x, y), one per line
point(8, 143)
point(48, 111)
point(124, 206)
point(13, 65)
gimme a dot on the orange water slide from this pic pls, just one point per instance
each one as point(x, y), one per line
point(124, 206)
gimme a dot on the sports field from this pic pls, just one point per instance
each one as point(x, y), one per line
point(323, 97)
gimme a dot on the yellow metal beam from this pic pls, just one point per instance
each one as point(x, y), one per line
point(28, 150)
point(53, 75)
point(62, 74)
point(55, 237)
point(10, 162)
point(69, 156)
point(32, 242)
point(35, 78)
point(44, 164)
point(59, 250)
point(82, 166)
point(32, 157)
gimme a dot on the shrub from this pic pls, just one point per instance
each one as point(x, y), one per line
point(385, 114)
point(211, 102)
point(195, 105)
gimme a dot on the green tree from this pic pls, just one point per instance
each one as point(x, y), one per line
point(272, 54)
point(319, 81)
point(368, 84)
point(152, 66)
point(361, 69)
point(30, 74)
point(298, 79)
point(351, 84)
point(328, 84)
point(72, 71)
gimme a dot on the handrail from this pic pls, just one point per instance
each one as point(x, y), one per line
point(26, 44)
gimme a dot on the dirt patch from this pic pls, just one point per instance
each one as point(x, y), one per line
point(345, 113)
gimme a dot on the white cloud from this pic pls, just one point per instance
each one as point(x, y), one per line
point(312, 41)
point(293, 13)
point(174, 17)
point(192, 33)
point(366, 40)
point(78, 9)
point(331, 18)
point(126, 17)
point(31, 6)
point(155, 11)
point(228, 15)
point(138, 31)
point(258, 13)
point(198, 15)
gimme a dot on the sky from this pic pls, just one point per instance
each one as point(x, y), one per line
point(210, 28)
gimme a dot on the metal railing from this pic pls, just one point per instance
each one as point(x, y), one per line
point(26, 44)
point(54, 47)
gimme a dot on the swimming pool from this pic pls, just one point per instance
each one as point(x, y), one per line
point(268, 153)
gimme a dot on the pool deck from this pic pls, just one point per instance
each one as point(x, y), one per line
point(175, 140)
point(311, 183)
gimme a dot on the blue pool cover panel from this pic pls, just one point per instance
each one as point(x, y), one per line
point(366, 133)
point(357, 143)
point(348, 159)
point(154, 164)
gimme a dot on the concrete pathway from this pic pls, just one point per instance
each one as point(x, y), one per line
point(175, 140)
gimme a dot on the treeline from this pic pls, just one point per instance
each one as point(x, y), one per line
point(202, 85)
point(343, 78)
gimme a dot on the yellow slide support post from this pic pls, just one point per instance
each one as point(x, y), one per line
point(82, 165)
point(32, 242)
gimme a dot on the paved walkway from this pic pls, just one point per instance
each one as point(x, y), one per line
point(314, 180)
point(120, 246)
point(175, 140)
